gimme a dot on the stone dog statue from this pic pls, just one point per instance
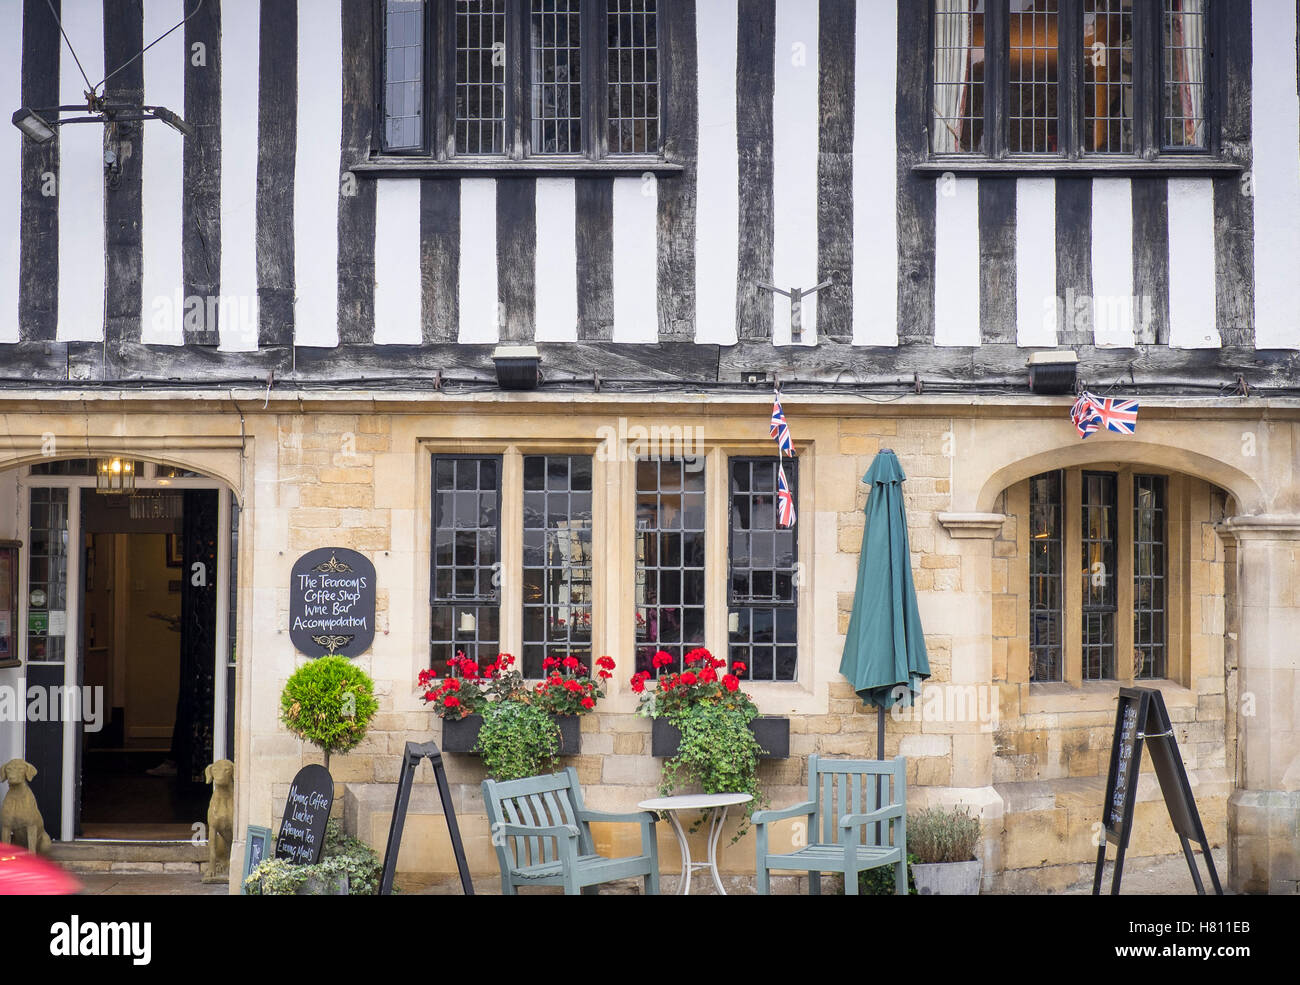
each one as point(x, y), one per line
point(221, 820)
point(19, 814)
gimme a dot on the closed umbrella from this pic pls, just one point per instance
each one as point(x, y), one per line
point(884, 651)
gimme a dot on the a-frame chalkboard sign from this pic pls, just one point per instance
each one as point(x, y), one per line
point(1141, 717)
point(410, 760)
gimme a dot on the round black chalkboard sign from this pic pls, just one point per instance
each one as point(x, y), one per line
point(332, 603)
point(306, 810)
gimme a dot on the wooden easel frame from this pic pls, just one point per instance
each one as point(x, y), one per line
point(1152, 724)
point(411, 759)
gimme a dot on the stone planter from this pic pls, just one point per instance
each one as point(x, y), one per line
point(462, 734)
point(947, 878)
point(771, 731)
point(315, 886)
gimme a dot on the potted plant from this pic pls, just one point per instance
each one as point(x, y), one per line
point(329, 702)
point(716, 747)
point(347, 867)
point(700, 682)
point(944, 842)
point(517, 740)
point(568, 692)
point(460, 697)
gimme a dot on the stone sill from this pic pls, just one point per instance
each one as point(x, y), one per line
point(1097, 696)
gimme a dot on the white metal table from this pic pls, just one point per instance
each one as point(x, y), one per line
point(716, 805)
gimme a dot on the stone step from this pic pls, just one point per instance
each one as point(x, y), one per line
point(129, 856)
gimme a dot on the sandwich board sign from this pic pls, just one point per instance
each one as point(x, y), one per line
point(306, 811)
point(1142, 721)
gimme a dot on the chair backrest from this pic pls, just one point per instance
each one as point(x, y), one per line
point(536, 802)
point(854, 786)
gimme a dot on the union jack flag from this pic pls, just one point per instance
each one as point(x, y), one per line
point(1116, 415)
point(1083, 416)
point(784, 499)
point(780, 429)
point(1091, 413)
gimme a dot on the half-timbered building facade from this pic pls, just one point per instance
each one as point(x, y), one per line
point(498, 292)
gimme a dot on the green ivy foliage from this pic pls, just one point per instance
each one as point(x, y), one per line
point(719, 752)
point(342, 855)
point(517, 740)
point(329, 702)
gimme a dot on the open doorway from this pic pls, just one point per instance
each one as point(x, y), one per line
point(150, 650)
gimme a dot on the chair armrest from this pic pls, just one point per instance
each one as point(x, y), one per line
point(853, 820)
point(634, 817)
point(549, 831)
point(798, 810)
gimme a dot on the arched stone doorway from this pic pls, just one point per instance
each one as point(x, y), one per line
point(125, 644)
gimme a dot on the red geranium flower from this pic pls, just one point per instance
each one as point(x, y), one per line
point(688, 678)
point(570, 662)
point(731, 682)
point(661, 659)
point(638, 685)
point(451, 701)
point(588, 703)
point(605, 675)
point(708, 675)
point(606, 662)
point(738, 667)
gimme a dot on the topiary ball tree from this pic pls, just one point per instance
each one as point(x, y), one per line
point(329, 702)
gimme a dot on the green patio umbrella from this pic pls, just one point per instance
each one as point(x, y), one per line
point(884, 651)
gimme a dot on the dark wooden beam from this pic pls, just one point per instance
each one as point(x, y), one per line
point(755, 84)
point(998, 367)
point(677, 192)
point(201, 197)
point(356, 221)
point(38, 224)
point(916, 223)
point(837, 35)
point(123, 205)
point(1234, 210)
point(277, 142)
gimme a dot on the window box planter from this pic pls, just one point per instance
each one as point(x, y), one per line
point(462, 735)
point(771, 731)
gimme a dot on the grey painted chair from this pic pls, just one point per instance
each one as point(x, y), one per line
point(542, 835)
point(844, 816)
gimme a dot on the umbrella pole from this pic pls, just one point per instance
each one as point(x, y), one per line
point(880, 754)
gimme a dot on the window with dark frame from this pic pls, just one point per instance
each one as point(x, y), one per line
point(1046, 568)
point(557, 585)
point(1070, 78)
point(465, 592)
point(670, 537)
point(516, 79)
point(762, 573)
point(1098, 574)
point(1099, 582)
point(1149, 577)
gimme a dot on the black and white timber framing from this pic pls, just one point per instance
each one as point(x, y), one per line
point(277, 244)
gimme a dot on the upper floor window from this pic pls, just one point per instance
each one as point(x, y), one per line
point(1070, 78)
point(515, 79)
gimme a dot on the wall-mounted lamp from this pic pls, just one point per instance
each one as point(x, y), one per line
point(518, 367)
point(1053, 372)
point(115, 475)
point(38, 125)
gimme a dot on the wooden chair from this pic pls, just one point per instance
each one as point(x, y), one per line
point(848, 829)
point(542, 835)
